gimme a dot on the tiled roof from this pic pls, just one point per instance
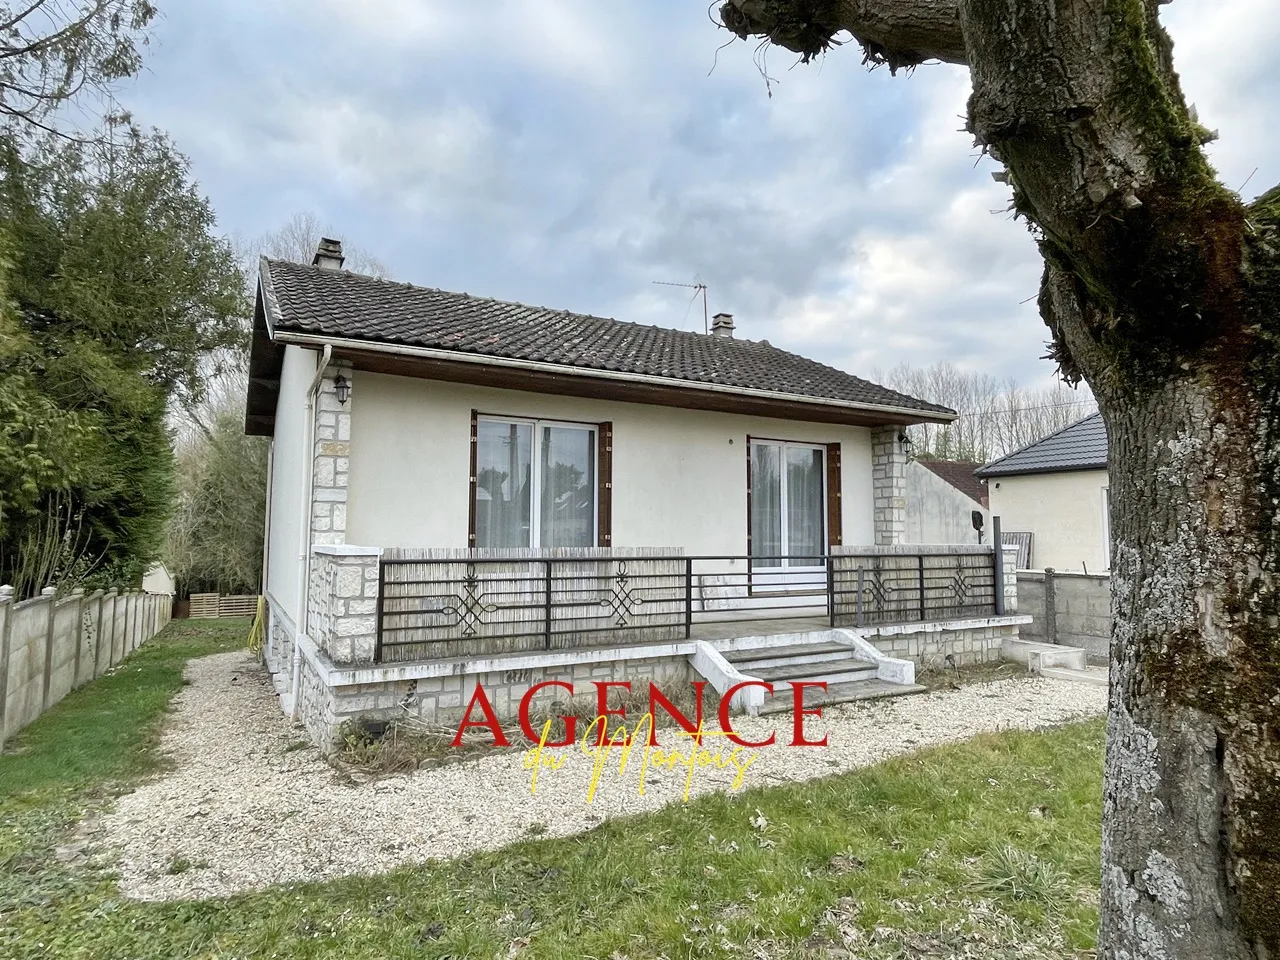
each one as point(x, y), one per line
point(1080, 446)
point(959, 473)
point(340, 304)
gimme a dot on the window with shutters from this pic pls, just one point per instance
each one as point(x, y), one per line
point(534, 483)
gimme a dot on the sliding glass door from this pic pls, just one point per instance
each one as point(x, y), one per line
point(788, 504)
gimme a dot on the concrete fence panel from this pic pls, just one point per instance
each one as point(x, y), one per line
point(28, 636)
point(1071, 609)
point(120, 635)
point(51, 645)
point(64, 644)
point(106, 634)
point(86, 659)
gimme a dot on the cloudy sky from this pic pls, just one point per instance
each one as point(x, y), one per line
point(570, 152)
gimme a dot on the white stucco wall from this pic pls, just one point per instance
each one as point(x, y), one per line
point(288, 476)
point(937, 512)
point(679, 476)
point(1064, 512)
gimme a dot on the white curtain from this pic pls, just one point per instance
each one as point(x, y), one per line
point(805, 507)
point(504, 483)
point(568, 479)
point(766, 504)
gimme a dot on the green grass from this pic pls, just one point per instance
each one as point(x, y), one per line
point(989, 847)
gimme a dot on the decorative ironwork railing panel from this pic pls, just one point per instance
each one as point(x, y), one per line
point(451, 603)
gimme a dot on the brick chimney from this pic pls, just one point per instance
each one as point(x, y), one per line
point(722, 325)
point(328, 254)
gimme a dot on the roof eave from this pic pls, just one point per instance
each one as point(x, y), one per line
point(891, 414)
point(266, 358)
point(1029, 471)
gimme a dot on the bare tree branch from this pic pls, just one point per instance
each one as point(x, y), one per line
point(52, 53)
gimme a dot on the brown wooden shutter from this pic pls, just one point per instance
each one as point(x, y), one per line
point(835, 511)
point(471, 506)
point(604, 499)
point(748, 499)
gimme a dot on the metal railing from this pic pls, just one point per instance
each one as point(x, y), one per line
point(432, 608)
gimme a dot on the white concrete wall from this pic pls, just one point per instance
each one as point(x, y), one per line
point(1063, 511)
point(158, 580)
point(937, 512)
point(291, 450)
point(679, 476)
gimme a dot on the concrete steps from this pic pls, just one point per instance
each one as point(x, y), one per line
point(848, 674)
point(1054, 661)
point(782, 701)
point(832, 662)
point(753, 659)
point(1038, 656)
point(840, 671)
point(1097, 676)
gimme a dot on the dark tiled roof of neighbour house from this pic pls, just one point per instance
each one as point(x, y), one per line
point(1080, 446)
point(960, 474)
point(340, 304)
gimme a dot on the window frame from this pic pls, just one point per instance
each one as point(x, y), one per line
point(537, 424)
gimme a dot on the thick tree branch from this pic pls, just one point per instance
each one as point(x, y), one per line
point(898, 33)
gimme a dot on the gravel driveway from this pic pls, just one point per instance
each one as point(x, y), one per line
point(245, 807)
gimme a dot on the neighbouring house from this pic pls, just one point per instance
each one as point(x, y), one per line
point(159, 580)
point(465, 491)
point(942, 498)
point(1053, 495)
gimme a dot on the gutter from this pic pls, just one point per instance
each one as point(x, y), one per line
point(304, 531)
point(1034, 471)
point(535, 366)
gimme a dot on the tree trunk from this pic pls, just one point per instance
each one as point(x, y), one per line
point(1162, 290)
point(1192, 796)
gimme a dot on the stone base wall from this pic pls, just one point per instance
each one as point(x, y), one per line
point(342, 602)
point(278, 649)
point(442, 700)
point(929, 644)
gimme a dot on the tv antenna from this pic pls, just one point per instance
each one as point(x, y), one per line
point(699, 288)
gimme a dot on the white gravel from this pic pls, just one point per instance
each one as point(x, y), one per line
point(244, 808)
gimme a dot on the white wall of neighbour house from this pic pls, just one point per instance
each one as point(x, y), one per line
point(289, 477)
point(679, 476)
point(1064, 512)
point(937, 512)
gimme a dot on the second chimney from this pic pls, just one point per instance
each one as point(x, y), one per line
point(722, 325)
point(328, 254)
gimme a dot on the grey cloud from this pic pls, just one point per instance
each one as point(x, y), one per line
point(569, 153)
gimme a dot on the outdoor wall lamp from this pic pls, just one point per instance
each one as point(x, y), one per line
point(342, 388)
point(907, 445)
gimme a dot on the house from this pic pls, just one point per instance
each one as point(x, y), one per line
point(158, 579)
point(1054, 493)
point(943, 500)
point(464, 492)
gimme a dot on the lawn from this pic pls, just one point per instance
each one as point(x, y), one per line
point(986, 849)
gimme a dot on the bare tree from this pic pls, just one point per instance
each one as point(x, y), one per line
point(1161, 289)
point(227, 371)
point(215, 536)
point(296, 240)
point(996, 416)
point(53, 52)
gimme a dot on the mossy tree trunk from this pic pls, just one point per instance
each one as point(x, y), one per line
point(1162, 290)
